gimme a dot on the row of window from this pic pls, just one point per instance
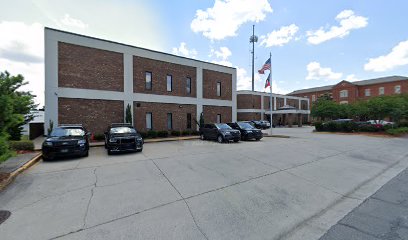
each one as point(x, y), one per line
point(367, 92)
point(169, 80)
point(149, 120)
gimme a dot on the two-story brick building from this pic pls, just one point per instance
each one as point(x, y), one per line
point(286, 110)
point(92, 81)
point(348, 92)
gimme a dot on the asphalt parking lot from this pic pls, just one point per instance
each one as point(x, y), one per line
point(277, 188)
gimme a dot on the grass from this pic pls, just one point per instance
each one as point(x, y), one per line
point(398, 131)
point(7, 155)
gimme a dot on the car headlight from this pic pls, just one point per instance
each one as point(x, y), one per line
point(48, 144)
point(82, 141)
point(139, 138)
point(226, 133)
point(249, 131)
point(113, 140)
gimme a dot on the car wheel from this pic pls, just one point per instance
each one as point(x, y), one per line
point(220, 139)
point(109, 152)
point(86, 154)
point(257, 139)
point(236, 140)
point(46, 159)
point(202, 136)
point(139, 150)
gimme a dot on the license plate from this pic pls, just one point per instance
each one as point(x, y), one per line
point(64, 150)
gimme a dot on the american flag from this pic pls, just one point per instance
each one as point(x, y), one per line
point(267, 82)
point(266, 66)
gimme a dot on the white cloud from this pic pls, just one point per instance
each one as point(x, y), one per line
point(244, 82)
point(397, 57)
point(351, 78)
point(226, 16)
point(280, 37)
point(182, 50)
point(348, 21)
point(222, 56)
point(316, 72)
point(22, 52)
point(72, 22)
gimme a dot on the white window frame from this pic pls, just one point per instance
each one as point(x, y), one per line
point(381, 91)
point(169, 83)
point(218, 118)
point(218, 89)
point(188, 85)
point(397, 89)
point(313, 98)
point(343, 93)
point(149, 121)
point(367, 92)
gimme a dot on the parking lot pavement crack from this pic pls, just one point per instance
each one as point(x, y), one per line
point(184, 200)
point(359, 230)
point(90, 198)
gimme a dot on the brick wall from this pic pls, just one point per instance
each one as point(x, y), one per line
point(210, 79)
point(266, 102)
point(160, 70)
point(96, 115)
point(248, 101)
point(248, 116)
point(210, 113)
point(159, 115)
point(89, 68)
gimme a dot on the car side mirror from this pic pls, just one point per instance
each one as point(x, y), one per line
point(88, 134)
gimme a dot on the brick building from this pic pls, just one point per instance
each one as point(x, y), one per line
point(286, 110)
point(348, 92)
point(92, 81)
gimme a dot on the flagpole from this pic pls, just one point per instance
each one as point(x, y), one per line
point(270, 87)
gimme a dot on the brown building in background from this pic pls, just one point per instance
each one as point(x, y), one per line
point(348, 92)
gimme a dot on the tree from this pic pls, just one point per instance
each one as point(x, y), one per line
point(201, 119)
point(128, 117)
point(325, 109)
point(15, 106)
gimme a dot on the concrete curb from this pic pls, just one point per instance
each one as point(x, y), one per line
point(154, 140)
point(14, 174)
point(277, 136)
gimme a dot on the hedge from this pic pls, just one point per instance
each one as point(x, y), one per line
point(22, 145)
point(175, 133)
point(398, 131)
point(163, 134)
point(347, 127)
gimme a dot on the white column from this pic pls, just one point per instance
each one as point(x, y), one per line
point(234, 96)
point(262, 107)
point(284, 101)
point(128, 84)
point(300, 104)
point(51, 80)
point(274, 103)
point(199, 92)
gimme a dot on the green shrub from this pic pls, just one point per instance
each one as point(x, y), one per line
point(195, 133)
point(331, 126)
point(143, 134)
point(368, 128)
point(175, 133)
point(186, 133)
point(163, 134)
point(99, 137)
point(151, 134)
point(398, 131)
point(402, 124)
point(22, 145)
point(319, 126)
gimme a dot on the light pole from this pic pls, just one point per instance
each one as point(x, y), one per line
point(253, 39)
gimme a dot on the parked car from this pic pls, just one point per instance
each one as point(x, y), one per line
point(261, 124)
point(220, 132)
point(66, 140)
point(247, 130)
point(122, 137)
point(381, 122)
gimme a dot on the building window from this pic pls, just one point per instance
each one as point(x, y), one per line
point(188, 120)
point(344, 93)
point(218, 118)
point(169, 121)
point(218, 89)
point(188, 85)
point(169, 83)
point(367, 92)
point(149, 121)
point(381, 91)
point(397, 89)
point(148, 80)
point(313, 98)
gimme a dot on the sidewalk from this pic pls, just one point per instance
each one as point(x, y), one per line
point(384, 215)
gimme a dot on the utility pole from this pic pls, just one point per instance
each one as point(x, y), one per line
point(253, 39)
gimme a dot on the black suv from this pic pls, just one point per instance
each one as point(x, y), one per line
point(220, 132)
point(66, 140)
point(261, 124)
point(122, 137)
point(247, 130)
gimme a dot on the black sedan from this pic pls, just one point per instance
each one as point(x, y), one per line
point(220, 132)
point(123, 137)
point(247, 130)
point(67, 140)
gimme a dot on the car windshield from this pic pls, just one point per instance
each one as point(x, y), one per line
point(222, 126)
point(122, 130)
point(245, 125)
point(65, 132)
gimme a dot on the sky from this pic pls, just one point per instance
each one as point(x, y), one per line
point(313, 43)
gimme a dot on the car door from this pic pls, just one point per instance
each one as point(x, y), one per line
point(213, 131)
point(206, 131)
